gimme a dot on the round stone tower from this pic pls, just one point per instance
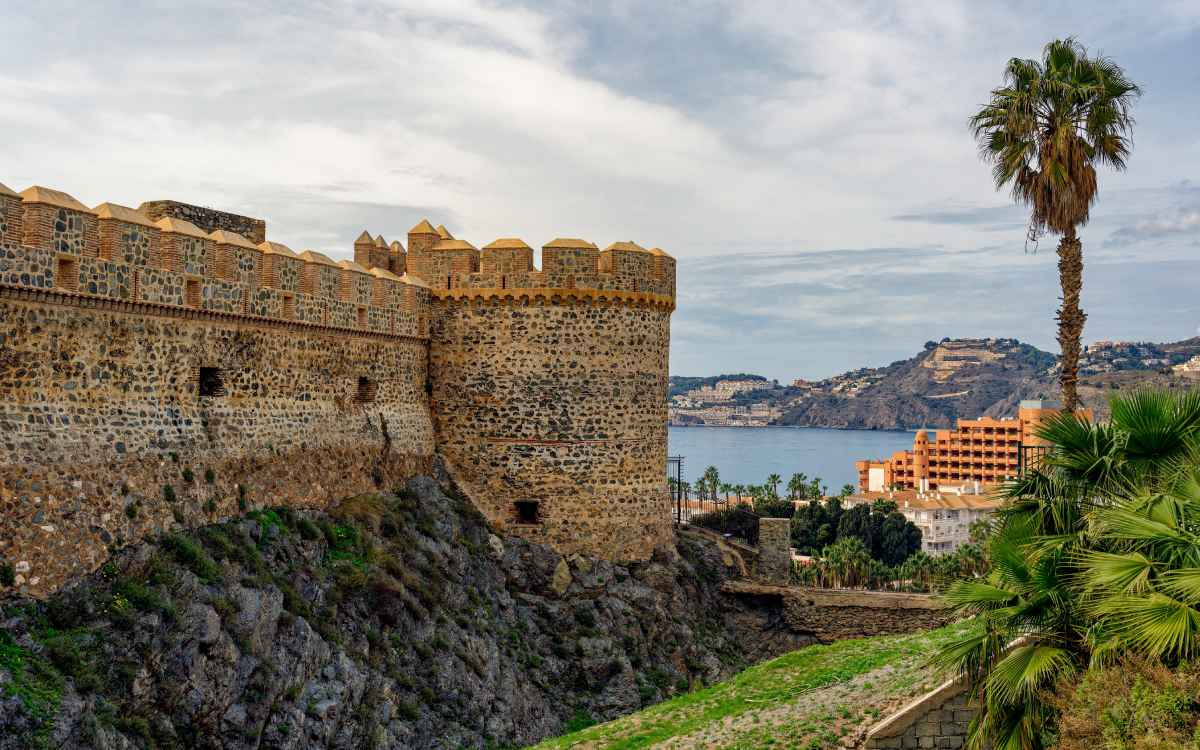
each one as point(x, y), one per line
point(549, 388)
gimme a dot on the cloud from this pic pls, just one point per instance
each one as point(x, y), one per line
point(808, 163)
point(1181, 222)
point(988, 218)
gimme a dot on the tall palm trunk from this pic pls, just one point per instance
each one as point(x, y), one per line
point(1070, 317)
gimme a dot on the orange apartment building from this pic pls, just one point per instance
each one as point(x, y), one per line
point(984, 450)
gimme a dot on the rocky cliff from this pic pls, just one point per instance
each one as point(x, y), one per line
point(396, 620)
point(946, 380)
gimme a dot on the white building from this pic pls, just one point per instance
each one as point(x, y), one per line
point(944, 516)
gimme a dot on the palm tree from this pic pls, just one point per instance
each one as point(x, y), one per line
point(849, 562)
point(1097, 551)
point(773, 482)
point(712, 481)
point(1044, 131)
point(797, 486)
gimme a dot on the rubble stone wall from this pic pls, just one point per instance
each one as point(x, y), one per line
point(167, 366)
point(208, 219)
point(106, 437)
point(558, 402)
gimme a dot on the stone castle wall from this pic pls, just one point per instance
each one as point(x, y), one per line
point(571, 417)
point(102, 413)
point(157, 372)
point(208, 219)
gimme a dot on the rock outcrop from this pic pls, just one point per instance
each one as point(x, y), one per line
point(396, 620)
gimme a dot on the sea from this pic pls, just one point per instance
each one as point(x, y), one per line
point(747, 455)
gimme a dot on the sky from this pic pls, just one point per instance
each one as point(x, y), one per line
point(808, 163)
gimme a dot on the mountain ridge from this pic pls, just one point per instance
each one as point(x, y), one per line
point(967, 378)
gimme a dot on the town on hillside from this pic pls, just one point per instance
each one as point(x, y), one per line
point(948, 380)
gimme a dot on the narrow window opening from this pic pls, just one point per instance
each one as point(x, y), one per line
point(528, 511)
point(192, 293)
point(66, 275)
point(504, 282)
point(210, 382)
point(448, 284)
point(367, 390)
point(362, 317)
point(289, 306)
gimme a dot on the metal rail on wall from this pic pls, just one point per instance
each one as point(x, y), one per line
point(675, 485)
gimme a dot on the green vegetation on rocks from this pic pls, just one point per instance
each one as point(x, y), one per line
point(789, 702)
point(393, 620)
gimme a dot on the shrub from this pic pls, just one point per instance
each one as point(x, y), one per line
point(348, 575)
point(210, 476)
point(577, 723)
point(190, 555)
point(168, 493)
point(308, 529)
point(409, 711)
point(188, 475)
point(738, 521)
point(1133, 705)
point(774, 509)
point(8, 575)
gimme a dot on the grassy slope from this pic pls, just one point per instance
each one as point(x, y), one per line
point(807, 699)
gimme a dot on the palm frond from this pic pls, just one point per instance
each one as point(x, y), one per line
point(1114, 573)
point(975, 597)
point(1156, 624)
point(1025, 670)
point(1182, 584)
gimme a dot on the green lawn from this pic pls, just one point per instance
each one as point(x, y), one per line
point(807, 699)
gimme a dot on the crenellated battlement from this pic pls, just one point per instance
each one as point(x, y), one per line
point(51, 241)
point(504, 268)
point(142, 346)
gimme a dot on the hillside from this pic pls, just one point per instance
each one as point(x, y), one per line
point(947, 379)
point(819, 698)
point(964, 378)
point(678, 384)
point(397, 620)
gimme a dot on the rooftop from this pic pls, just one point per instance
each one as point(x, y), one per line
point(932, 500)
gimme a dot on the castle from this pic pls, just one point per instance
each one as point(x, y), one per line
point(170, 366)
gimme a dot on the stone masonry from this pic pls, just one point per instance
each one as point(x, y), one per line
point(836, 614)
point(939, 720)
point(156, 373)
point(775, 550)
point(208, 219)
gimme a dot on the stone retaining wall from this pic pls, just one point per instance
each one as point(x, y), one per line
point(939, 719)
point(832, 614)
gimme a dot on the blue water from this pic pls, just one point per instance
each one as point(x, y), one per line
point(746, 455)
